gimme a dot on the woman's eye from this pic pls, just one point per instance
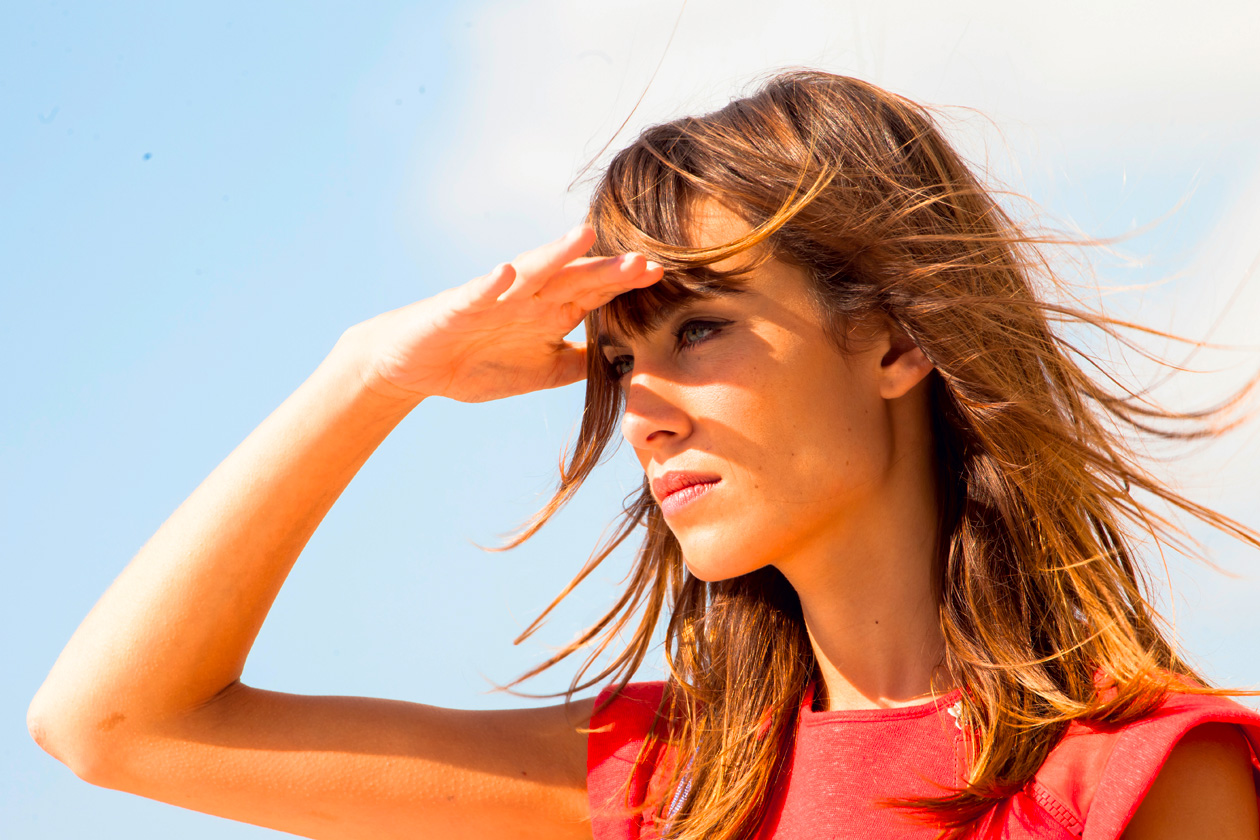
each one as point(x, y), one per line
point(694, 332)
point(687, 336)
point(619, 366)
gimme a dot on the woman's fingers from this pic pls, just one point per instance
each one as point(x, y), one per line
point(570, 364)
point(596, 296)
point(557, 276)
point(485, 290)
point(591, 284)
point(534, 268)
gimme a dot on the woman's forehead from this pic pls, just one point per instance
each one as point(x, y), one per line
point(711, 224)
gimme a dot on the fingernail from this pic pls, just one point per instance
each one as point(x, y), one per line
point(575, 234)
point(628, 260)
point(652, 265)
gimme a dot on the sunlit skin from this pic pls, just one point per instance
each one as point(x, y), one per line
point(825, 462)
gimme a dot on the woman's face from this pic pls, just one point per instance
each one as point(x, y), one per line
point(789, 438)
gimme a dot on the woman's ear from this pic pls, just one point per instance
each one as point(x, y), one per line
point(902, 366)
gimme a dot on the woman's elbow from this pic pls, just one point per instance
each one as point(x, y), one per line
point(86, 757)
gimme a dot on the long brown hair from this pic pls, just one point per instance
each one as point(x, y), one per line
point(1043, 602)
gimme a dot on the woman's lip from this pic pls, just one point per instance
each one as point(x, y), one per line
point(675, 480)
point(679, 499)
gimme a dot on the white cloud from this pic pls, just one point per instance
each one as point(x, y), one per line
point(546, 83)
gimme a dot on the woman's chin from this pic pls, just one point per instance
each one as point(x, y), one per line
point(716, 549)
point(715, 567)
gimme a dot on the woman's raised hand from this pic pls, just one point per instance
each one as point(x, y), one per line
point(500, 334)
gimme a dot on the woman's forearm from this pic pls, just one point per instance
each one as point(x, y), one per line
point(173, 631)
point(175, 628)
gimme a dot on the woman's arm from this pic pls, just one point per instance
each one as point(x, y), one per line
point(1205, 789)
point(146, 695)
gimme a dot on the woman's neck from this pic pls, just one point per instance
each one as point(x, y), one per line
point(877, 652)
point(870, 596)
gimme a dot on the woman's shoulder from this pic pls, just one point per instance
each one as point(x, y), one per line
point(1098, 774)
point(622, 719)
point(635, 694)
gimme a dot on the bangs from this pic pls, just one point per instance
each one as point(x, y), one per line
point(640, 311)
point(646, 203)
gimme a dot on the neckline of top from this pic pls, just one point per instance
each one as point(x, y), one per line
point(929, 707)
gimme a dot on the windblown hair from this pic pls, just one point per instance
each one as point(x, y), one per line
point(1044, 605)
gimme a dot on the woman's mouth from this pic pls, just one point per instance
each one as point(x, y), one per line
point(676, 490)
point(679, 499)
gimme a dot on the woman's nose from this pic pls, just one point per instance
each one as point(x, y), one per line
point(654, 416)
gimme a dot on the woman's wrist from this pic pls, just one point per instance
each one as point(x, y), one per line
point(354, 358)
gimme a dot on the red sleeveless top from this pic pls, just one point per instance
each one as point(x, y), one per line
point(845, 762)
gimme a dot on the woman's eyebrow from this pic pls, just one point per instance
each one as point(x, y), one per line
point(672, 311)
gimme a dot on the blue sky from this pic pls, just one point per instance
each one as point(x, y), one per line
point(196, 199)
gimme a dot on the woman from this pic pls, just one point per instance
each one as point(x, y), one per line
point(888, 515)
